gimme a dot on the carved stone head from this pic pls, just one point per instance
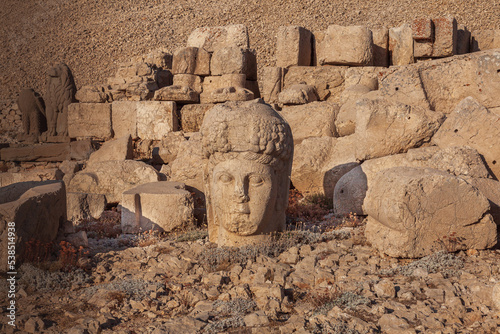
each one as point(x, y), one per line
point(249, 148)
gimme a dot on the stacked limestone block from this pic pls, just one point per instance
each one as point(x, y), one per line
point(216, 66)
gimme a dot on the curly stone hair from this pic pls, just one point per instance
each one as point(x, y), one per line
point(252, 130)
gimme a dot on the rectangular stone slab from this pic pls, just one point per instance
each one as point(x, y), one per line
point(89, 120)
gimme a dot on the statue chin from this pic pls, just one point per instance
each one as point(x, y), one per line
point(240, 224)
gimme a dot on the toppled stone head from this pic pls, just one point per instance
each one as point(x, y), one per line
point(249, 148)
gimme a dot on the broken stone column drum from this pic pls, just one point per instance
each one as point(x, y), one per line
point(249, 148)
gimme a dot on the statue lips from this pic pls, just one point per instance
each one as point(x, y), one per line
point(242, 208)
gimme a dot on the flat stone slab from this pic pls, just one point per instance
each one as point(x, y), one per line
point(160, 206)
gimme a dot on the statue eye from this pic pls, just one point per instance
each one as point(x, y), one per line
point(255, 180)
point(225, 178)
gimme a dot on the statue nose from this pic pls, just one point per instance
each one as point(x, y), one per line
point(240, 193)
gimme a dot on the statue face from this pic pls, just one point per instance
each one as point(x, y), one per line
point(243, 195)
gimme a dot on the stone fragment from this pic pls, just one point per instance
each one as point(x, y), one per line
point(473, 125)
point(116, 149)
point(380, 46)
point(212, 38)
point(491, 189)
point(37, 152)
point(169, 146)
point(385, 289)
point(410, 208)
point(350, 190)
point(184, 60)
point(345, 122)
point(298, 94)
point(495, 295)
point(59, 94)
point(188, 166)
point(35, 210)
point(445, 37)
point(144, 119)
point(401, 45)
point(293, 47)
point(213, 83)
point(85, 206)
point(226, 94)
point(188, 80)
point(392, 324)
point(403, 84)
point(191, 60)
point(192, 116)
point(327, 80)
point(448, 81)
point(272, 81)
point(318, 157)
point(422, 29)
point(485, 40)
point(256, 319)
point(315, 119)
point(385, 127)
point(178, 94)
point(81, 149)
point(89, 120)
point(112, 178)
point(346, 46)
point(91, 94)
point(8, 178)
point(249, 148)
point(233, 60)
point(162, 206)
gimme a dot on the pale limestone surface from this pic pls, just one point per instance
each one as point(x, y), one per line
point(91, 94)
point(144, 119)
point(293, 47)
point(387, 127)
point(319, 162)
point(272, 81)
point(411, 209)
point(192, 116)
point(85, 206)
point(328, 80)
point(212, 38)
point(350, 190)
point(473, 125)
point(212, 83)
point(112, 178)
point(226, 94)
point(401, 45)
point(116, 149)
point(350, 45)
point(249, 149)
point(298, 94)
point(89, 120)
point(181, 94)
point(314, 119)
point(189, 80)
point(160, 206)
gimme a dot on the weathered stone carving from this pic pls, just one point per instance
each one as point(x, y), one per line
point(249, 148)
point(33, 112)
point(61, 92)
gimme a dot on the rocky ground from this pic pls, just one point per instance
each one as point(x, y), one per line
point(93, 36)
point(315, 278)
